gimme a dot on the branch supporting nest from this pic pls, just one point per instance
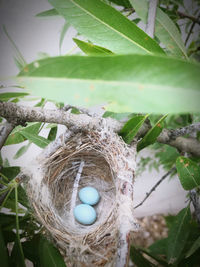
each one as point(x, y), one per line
point(12, 111)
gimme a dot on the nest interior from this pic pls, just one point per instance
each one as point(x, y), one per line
point(62, 178)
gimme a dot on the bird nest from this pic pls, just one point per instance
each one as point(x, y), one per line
point(73, 161)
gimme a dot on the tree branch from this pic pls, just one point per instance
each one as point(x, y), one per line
point(20, 114)
point(12, 112)
point(5, 129)
point(192, 18)
point(189, 145)
point(150, 27)
point(155, 186)
point(195, 127)
point(196, 203)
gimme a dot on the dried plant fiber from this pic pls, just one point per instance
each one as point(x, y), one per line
point(94, 158)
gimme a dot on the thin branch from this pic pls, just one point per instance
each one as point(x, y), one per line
point(192, 18)
point(196, 203)
point(150, 27)
point(155, 186)
point(189, 33)
point(5, 129)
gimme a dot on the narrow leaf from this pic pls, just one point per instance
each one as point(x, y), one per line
point(194, 248)
point(91, 49)
point(52, 134)
point(48, 13)
point(8, 96)
point(22, 151)
point(16, 137)
point(16, 49)
point(188, 172)
point(105, 26)
point(178, 235)
point(165, 29)
point(151, 135)
point(137, 257)
point(36, 139)
point(3, 251)
point(49, 255)
point(129, 83)
point(131, 128)
point(62, 34)
point(124, 3)
point(118, 116)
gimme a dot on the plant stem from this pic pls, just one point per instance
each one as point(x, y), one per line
point(17, 227)
point(6, 197)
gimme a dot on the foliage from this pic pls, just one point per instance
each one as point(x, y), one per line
point(135, 75)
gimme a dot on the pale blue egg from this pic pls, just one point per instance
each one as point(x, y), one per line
point(85, 214)
point(89, 195)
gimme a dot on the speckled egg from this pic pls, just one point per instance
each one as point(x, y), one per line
point(89, 195)
point(85, 214)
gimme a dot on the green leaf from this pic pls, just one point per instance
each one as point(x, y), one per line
point(49, 255)
point(165, 29)
point(52, 134)
point(8, 96)
point(36, 139)
point(16, 256)
point(139, 83)
point(194, 247)
point(188, 172)
point(124, 3)
point(48, 13)
point(10, 172)
point(31, 249)
point(16, 136)
point(19, 57)
point(22, 151)
point(151, 135)
point(158, 247)
point(131, 128)
point(167, 156)
point(118, 116)
point(137, 257)
point(178, 235)
point(62, 34)
point(91, 49)
point(105, 26)
point(3, 251)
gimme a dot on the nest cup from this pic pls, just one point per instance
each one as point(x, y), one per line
point(91, 159)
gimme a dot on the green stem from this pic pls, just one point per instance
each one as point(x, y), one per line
point(17, 227)
point(3, 191)
point(5, 199)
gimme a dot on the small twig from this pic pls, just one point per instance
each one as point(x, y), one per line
point(150, 27)
point(190, 32)
point(183, 15)
point(155, 186)
point(75, 189)
point(196, 203)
